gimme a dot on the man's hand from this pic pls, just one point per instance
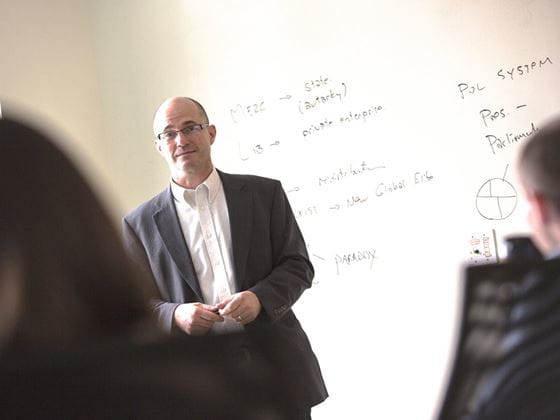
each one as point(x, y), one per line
point(196, 318)
point(244, 307)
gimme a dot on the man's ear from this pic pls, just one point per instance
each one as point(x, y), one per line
point(157, 144)
point(212, 131)
point(541, 206)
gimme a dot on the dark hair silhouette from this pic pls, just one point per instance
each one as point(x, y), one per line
point(83, 302)
point(76, 281)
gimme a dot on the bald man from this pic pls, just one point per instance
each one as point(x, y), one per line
point(225, 253)
point(539, 171)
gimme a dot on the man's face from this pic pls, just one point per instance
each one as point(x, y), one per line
point(186, 155)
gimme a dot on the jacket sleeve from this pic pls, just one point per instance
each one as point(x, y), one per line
point(292, 271)
point(163, 310)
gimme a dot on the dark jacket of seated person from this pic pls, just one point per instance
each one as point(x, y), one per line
point(514, 370)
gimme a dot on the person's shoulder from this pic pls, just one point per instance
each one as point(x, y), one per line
point(149, 206)
point(250, 179)
point(549, 268)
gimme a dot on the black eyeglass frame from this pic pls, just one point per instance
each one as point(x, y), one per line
point(171, 135)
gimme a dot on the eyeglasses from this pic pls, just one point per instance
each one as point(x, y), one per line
point(189, 130)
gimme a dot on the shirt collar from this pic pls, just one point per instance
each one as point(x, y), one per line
point(185, 195)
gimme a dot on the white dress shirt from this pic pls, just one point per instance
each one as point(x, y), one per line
point(204, 220)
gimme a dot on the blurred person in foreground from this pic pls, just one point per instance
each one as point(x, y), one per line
point(77, 338)
point(508, 367)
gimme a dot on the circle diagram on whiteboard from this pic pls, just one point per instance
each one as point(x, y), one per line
point(496, 199)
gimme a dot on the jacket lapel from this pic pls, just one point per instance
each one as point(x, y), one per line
point(170, 231)
point(240, 210)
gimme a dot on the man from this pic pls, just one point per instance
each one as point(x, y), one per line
point(225, 252)
point(539, 171)
point(508, 363)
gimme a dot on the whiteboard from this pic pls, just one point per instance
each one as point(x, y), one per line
point(394, 128)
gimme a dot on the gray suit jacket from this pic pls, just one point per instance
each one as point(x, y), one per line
point(270, 259)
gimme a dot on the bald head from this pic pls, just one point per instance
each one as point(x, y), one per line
point(171, 106)
point(539, 173)
point(187, 153)
point(539, 162)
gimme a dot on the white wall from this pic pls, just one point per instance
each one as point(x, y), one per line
point(143, 54)
point(49, 74)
